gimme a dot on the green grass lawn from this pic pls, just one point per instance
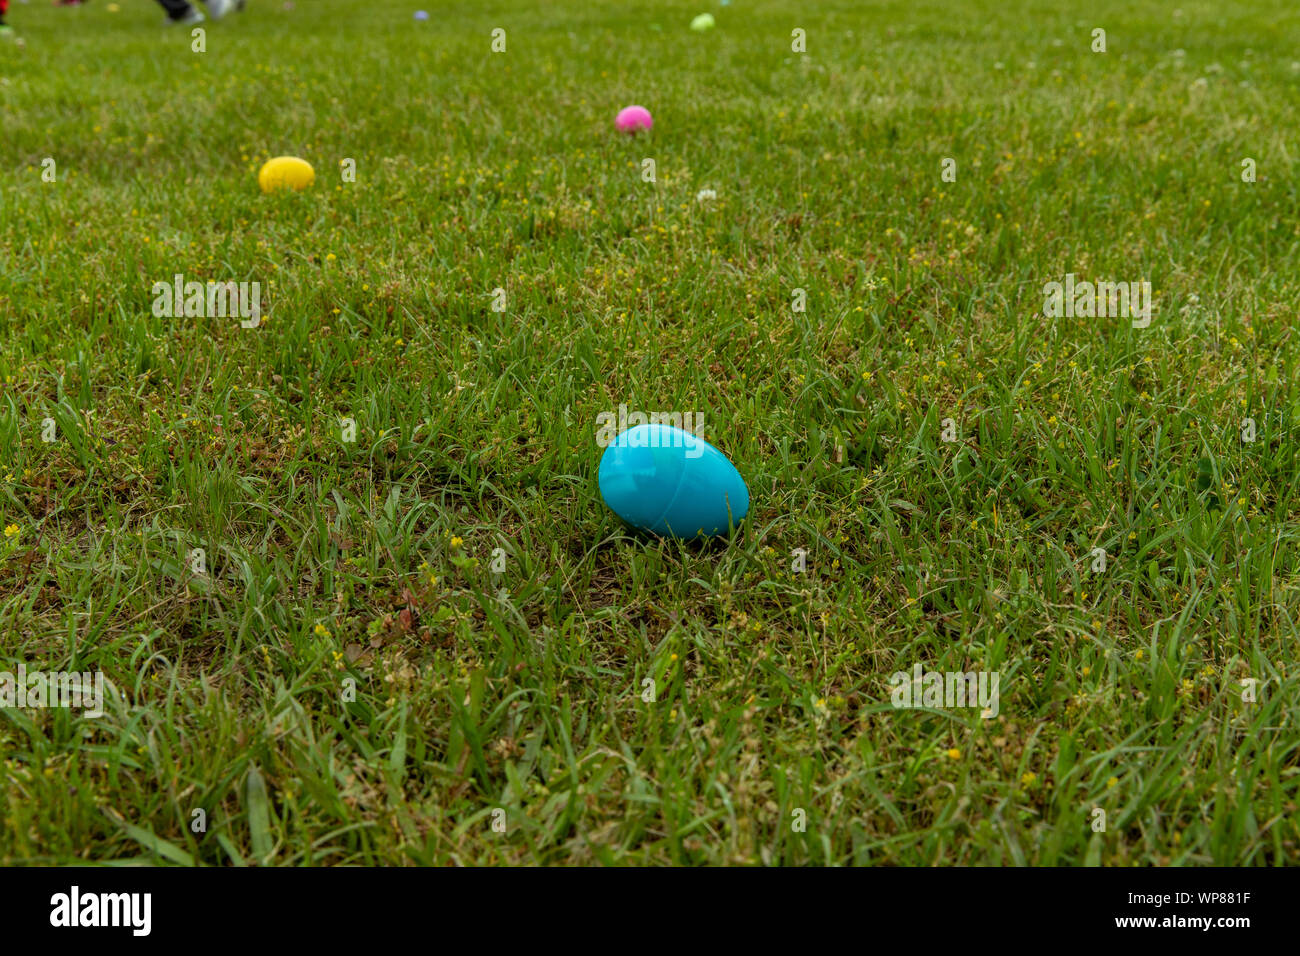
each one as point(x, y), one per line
point(434, 643)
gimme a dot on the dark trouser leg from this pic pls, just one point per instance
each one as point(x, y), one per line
point(176, 8)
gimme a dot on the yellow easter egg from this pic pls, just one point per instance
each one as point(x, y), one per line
point(285, 172)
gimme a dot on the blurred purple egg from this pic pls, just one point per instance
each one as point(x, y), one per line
point(421, 14)
point(632, 119)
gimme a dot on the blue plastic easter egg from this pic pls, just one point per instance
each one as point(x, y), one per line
point(662, 479)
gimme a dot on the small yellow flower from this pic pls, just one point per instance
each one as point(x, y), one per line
point(1112, 783)
point(456, 541)
point(331, 257)
point(320, 630)
point(11, 531)
point(953, 753)
point(1027, 778)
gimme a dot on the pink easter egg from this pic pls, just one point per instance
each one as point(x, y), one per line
point(633, 119)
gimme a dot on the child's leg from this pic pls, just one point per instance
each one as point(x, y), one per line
point(176, 9)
